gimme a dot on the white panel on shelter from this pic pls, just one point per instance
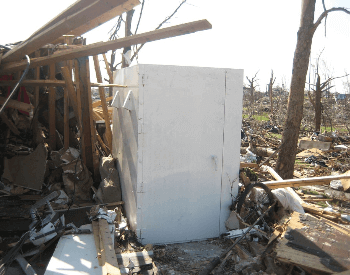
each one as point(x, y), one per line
point(175, 172)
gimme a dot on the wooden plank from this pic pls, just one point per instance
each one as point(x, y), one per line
point(99, 103)
point(107, 85)
point(290, 255)
point(248, 165)
point(52, 110)
point(77, 85)
point(339, 227)
point(112, 13)
point(110, 265)
point(17, 105)
point(71, 93)
point(64, 26)
point(49, 83)
point(96, 231)
point(303, 181)
point(66, 119)
point(103, 102)
point(88, 131)
point(103, 47)
point(37, 77)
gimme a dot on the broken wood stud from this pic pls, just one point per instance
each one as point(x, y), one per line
point(103, 102)
point(17, 105)
point(52, 110)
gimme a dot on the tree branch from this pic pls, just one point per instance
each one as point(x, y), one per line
point(324, 14)
point(159, 26)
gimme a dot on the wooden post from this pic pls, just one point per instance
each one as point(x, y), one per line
point(88, 131)
point(66, 119)
point(52, 110)
point(103, 103)
point(37, 77)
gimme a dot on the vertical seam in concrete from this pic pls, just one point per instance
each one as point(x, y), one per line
point(222, 155)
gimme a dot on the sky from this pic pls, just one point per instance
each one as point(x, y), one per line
point(254, 35)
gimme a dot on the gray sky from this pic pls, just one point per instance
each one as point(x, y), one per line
point(253, 35)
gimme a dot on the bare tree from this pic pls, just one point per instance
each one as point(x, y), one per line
point(286, 158)
point(252, 84)
point(272, 81)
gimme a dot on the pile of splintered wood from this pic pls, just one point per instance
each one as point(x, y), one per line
point(58, 51)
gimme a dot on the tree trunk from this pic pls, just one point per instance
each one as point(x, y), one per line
point(129, 15)
point(286, 158)
point(318, 104)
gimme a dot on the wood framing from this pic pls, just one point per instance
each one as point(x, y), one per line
point(102, 47)
point(103, 102)
point(64, 26)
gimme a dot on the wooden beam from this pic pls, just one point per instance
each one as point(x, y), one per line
point(37, 77)
point(35, 82)
point(51, 83)
point(71, 92)
point(96, 231)
point(66, 119)
point(17, 105)
point(110, 264)
point(112, 13)
point(52, 110)
point(77, 86)
point(88, 131)
point(107, 85)
point(248, 165)
point(64, 26)
point(304, 181)
point(103, 102)
point(103, 47)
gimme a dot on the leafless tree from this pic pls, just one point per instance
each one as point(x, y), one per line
point(272, 81)
point(252, 84)
point(286, 158)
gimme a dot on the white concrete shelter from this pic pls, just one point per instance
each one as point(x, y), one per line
point(176, 138)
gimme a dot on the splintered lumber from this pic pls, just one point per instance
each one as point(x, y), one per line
point(17, 105)
point(103, 102)
point(303, 181)
point(315, 210)
point(98, 103)
point(112, 13)
point(71, 92)
point(83, 16)
point(52, 110)
point(102, 47)
point(109, 258)
point(77, 86)
point(110, 74)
